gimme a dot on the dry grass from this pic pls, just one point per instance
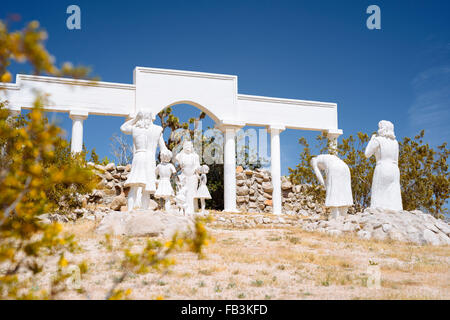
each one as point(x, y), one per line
point(273, 263)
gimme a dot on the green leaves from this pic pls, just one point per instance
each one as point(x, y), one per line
point(424, 175)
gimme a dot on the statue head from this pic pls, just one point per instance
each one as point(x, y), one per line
point(205, 169)
point(148, 117)
point(166, 156)
point(187, 146)
point(386, 129)
point(140, 120)
point(143, 119)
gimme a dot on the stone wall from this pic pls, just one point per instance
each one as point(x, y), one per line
point(254, 194)
point(254, 191)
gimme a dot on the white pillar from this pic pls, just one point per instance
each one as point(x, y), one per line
point(229, 167)
point(77, 131)
point(333, 135)
point(275, 167)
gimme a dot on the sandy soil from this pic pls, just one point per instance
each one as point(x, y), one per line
point(270, 263)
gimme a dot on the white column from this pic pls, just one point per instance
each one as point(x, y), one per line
point(275, 167)
point(77, 131)
point(333, 136)
point(229, 168)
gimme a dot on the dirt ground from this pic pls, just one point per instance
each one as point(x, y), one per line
point(271, 263)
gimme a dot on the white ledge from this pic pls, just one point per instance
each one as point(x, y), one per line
point(187, 73)
point(76, 82)
point(286, 101)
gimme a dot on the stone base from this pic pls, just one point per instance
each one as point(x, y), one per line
point(406, 226)
point(145, 223)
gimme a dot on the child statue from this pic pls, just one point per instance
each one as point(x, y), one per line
point(338, 183)
point(202, 192)
point(165, 170)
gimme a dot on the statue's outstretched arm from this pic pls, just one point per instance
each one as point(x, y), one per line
point(371, 147)
point(162, 144)
point(317, 171)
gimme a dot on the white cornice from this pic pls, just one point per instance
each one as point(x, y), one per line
point(9, 86)
point(88, 83)
point(187, 73)
point(286, 101)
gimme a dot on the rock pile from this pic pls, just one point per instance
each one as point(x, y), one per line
point(111, 191)
point(406, 226)
point(411, 227)
point(253, 187)
point(254, 194)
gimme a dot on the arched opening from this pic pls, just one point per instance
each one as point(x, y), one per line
point(198, 122)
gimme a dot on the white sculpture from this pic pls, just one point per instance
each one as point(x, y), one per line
point(165, 170)
point(202, 192)
point(189, 163)
point(180, 198)
point(141, 179)
point(385, 191)
point(338, 183)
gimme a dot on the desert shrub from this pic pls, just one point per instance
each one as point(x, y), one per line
point(35, 170)
point(424, 175)
point(30, 170)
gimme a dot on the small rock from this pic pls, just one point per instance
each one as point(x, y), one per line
point(286, 185)
point(110, 166)
point(118, 202)
point(430, 237)
point(267, 187)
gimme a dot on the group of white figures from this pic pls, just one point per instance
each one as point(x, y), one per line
point(142, 180)
point(385, 192)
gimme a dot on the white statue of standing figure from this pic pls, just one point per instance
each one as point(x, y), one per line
point(202, 192)
point(386, 193)
point(338, 183)
point(189, 163)
point(165, 170)
point(141, 179)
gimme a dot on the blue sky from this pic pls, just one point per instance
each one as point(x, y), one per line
point(313, 50)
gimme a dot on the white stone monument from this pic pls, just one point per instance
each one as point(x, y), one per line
point(189, 163)
point(385, 193)
point(146, 137)
point(155, 89)
point(338, 183)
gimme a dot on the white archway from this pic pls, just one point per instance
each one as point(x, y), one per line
point(154, 89)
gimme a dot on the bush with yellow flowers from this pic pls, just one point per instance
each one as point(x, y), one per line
point(156, 255)
point(29, 174)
